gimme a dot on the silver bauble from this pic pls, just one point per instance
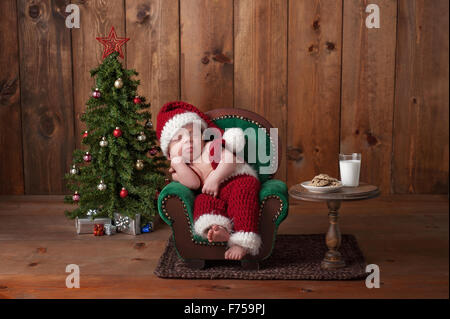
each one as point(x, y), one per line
point(142, 137)
point(74, 170)
point(101, 186)
point(118, 83)
point(103, 142)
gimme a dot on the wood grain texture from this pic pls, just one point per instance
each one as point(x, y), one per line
point(207, 59)
point(153, 50)
point(96, 19)
point(421, 127)
point(314, 82)
point(368, 74)
point(46, 95)
point(405, 235)
point(260, 72)
point(11, 156)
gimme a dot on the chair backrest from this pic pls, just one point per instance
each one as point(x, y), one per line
point(250, 121)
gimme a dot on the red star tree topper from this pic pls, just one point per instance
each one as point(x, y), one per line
point(112, 43)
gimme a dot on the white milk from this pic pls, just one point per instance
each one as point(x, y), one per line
point(350, 172)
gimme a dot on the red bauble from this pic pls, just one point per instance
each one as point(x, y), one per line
point(156, 195)
point(137, 100)
point(153, 151)
point(117, 132)
point(123, 192)
point(87, 157)
point(96, 94)
point(76, 197)
point(85, 134)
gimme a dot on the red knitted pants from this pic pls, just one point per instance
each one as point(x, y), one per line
point(238, 200)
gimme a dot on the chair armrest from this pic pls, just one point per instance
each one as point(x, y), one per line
point(277, 188)
point(186, 195)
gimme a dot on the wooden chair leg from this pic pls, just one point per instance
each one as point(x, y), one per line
point(195, 263)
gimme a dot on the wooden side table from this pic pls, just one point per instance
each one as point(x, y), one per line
point(333, 258)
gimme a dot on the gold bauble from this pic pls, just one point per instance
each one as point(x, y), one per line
point(139, 165)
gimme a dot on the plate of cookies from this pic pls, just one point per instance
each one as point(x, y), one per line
point(322, 183)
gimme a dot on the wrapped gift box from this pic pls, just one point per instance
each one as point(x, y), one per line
point(86, 225)
point(127, 225)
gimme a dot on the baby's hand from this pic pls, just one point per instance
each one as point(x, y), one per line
point(211, 186)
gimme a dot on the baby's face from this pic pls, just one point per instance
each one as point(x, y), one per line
point(187, 142)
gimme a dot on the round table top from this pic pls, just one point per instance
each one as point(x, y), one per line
point(363, 191)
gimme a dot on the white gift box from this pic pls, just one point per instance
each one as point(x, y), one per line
point(86, 225)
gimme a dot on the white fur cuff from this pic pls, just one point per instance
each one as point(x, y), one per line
point(249, 240)
point(207, 220)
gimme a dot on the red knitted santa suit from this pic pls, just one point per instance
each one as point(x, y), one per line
point(236, 208)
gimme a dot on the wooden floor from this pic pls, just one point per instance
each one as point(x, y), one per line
point(406, 236)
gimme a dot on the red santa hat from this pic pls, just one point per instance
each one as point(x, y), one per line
point(174, 115)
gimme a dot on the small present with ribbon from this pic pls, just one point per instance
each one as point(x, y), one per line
point(127, 225)
point(99, 230)
point(147, 228)
point(110, 229)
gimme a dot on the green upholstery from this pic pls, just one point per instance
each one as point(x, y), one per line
point(252, 143)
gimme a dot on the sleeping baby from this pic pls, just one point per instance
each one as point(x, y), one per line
point(227, 209)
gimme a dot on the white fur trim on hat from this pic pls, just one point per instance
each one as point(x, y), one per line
point(249, 240)
point(173, 125)
point(234, 139)
point(207, 220)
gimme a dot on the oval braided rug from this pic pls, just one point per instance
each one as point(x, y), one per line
point(294, 257)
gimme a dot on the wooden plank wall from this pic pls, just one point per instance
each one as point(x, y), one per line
point(312, 68)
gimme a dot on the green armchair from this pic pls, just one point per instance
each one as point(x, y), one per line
point(176, 201)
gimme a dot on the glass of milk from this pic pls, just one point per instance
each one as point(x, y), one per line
point(349, 166)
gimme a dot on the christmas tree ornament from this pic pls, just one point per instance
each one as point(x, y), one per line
point(123, 192)
point(112, 43)
point(118, 84)
point(96, 94)
point(137, 100)
point(101, 186)
point(87, 157)
point(76, 196)
point(74, 170)
point(148, 124)
point(166, 181)
point(141, 137)
point(117, 132)
point(103, 142)
point(139, 165)
point(156, 195)
point(153, 151)
point(85, 134)
point(99, 230)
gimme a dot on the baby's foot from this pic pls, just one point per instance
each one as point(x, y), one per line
point(235, 252)
point(218, 233)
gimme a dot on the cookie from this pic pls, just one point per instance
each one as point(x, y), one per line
point(322, 180)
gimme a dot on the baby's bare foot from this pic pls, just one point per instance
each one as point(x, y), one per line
point(218, 233)
point(235, 252)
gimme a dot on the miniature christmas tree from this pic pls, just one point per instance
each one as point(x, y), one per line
point(122, 170)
